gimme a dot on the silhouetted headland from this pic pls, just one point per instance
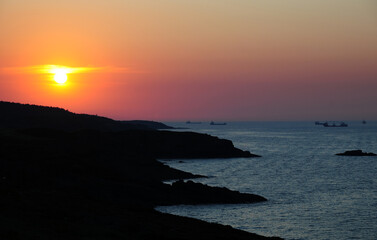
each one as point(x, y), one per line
point(356, 153)
point(77, 176)
point(16, 115)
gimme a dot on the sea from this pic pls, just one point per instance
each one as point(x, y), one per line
point(311, 192)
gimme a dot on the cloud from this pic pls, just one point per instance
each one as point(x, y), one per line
point(51, 69)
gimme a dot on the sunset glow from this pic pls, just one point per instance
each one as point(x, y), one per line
point(57, 73)
point(193, 60)
point(54, 69)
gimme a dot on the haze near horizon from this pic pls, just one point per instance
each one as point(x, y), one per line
point(193, 60)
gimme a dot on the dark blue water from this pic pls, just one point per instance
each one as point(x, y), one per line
point(312, 193)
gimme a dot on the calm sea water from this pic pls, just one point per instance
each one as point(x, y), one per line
point(312, 193)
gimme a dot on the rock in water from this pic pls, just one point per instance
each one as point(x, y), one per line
point(356, 153)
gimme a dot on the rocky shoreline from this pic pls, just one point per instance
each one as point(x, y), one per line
point(94, 184)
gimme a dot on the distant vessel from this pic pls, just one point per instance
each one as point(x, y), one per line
point(335, 124)
point(213, 123)
point(364, 122)
point(319, 123)
point(189, 122)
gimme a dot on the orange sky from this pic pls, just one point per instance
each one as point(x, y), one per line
point(194, 60)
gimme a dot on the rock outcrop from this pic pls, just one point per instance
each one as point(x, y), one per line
point(356, 153)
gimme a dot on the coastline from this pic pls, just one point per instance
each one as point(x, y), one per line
point(60, 184)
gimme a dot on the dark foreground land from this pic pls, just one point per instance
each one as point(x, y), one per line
point(102, 182)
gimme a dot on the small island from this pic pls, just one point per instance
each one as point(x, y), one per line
point(358, 153)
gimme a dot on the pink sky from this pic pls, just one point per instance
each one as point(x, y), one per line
point(194, 60)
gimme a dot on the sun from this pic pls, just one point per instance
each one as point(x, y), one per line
point(60, 76)
point(59, 73)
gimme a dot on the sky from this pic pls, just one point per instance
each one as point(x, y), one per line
point(169, 60)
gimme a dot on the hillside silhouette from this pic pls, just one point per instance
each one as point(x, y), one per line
point(56, 183)
point(16, 115)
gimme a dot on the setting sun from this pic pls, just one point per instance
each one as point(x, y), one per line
point(60, 76)
point(59, 72)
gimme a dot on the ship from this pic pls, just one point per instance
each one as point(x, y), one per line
point(335, 124)
point(213, 123)
point(189, 122)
